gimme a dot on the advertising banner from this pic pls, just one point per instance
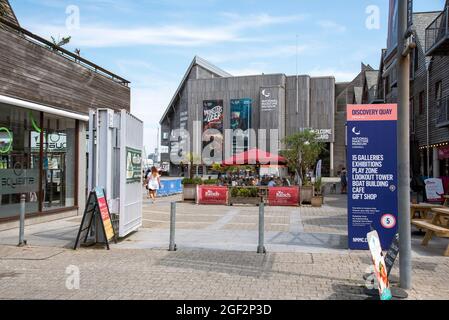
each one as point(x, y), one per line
point(212, 117)
point(283, 196)
point(212, 195)
point(241, 114)
point(434, 190)
point(104, 213)
point(269, 100)
point(372, 173)
point(133, 165)
point(170, 187)
point(380, 268)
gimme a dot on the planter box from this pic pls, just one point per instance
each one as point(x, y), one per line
point(317, 201)
point(189, 192)
point(307, 194)
point(242, 200)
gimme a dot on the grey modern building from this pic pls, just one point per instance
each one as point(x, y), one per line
point(267, 101)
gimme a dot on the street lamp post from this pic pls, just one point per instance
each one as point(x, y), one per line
point(404, 148)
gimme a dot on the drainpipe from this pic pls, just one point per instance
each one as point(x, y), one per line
point(428, 66)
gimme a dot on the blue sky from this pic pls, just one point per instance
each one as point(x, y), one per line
point(152, 42)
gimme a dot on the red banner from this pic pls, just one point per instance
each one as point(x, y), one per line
point(212, 195)
point(443, 153)
point(283, 196)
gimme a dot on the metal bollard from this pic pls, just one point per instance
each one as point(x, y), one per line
point(172, 227)
point(22, 241)
point(261, 248)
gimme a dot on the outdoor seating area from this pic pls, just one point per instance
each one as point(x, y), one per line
point(433, 220)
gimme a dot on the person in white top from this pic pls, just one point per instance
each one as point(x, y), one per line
point(153, 184)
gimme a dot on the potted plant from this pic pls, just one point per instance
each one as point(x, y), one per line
point(248, 195)
point(302, 153)
point(189, 188)
point(318, 199)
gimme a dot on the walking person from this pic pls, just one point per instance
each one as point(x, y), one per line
point(153, 184)
point(344, 181)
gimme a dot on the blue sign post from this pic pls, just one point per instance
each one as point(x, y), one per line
point(372, 174)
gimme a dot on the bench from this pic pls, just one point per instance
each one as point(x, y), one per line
point(432, 229)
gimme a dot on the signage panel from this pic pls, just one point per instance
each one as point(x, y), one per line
point(283, 196)
point(133, 165)
point(372, 173)
point(212, 195)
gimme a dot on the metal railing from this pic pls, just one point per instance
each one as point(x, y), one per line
point(438, 30)
point(64, 53)
point(443, 111)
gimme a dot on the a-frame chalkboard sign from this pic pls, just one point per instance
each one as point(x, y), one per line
point(96, 213)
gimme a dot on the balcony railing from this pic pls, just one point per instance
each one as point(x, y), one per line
point(64, 53)
point(437, 35)
point(443, 112)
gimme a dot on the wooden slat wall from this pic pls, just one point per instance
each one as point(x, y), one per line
point(31, 72)
point(322, 104)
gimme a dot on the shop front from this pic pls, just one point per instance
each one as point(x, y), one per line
point(39, 158)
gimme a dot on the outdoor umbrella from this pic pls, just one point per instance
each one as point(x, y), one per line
point(254, 157)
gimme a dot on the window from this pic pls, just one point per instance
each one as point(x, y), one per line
point(416, 59)
point(19, 163)
point(438, 91)
point(45, 173)
point(421, 102)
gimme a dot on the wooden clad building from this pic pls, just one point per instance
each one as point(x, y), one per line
point(46, 93)
point(276, 101)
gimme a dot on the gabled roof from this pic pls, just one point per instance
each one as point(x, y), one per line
point(9, 14)
point(197, 61)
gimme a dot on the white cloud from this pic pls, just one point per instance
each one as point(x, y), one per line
point(332, 26)
point(98, 35)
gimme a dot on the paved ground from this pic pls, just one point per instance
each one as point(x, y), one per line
point(307, 258)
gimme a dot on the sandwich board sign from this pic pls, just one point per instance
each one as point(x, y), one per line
point(96, 217)
point(380, 268)
point(434, 190)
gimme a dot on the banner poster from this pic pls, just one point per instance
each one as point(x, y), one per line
point(372, 174)
point(241, 114)
point(380, 268)
point(283, 196)
point(212, 118)
point(212, 195)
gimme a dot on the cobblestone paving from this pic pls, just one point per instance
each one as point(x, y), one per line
point(40, 273)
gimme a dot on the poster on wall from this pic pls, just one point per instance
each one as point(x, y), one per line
point(133, 165)
point(212, 118)
point(372, 173)
point(241, 114)
point(269, 100)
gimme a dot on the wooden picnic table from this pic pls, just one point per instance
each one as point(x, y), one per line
point(421, 211)
point(439, 226)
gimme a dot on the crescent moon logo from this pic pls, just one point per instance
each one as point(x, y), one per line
point(354, 130)
point(265, 94)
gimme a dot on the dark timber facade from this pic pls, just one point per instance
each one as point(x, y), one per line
point(45, 96)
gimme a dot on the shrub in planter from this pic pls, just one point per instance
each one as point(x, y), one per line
point(189, 188)
point(192, 181)
point(245, 196)
point(210, 182)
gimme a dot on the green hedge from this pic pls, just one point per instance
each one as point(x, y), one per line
point(194, 181)
point(244, 192)
point(210, 182)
